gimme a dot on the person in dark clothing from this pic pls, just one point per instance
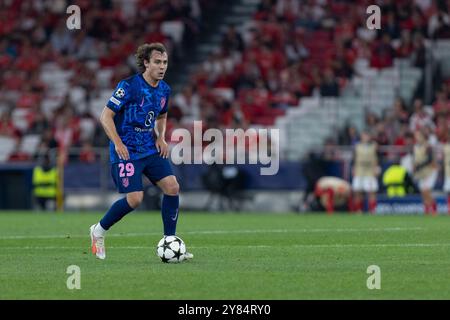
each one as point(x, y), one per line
point(313, 169)
point(227, 182)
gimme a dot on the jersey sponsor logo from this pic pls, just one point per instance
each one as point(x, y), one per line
point(137, 129)
point(120, 93)
point(115, 101)
point(163, 102)
point(149, 119)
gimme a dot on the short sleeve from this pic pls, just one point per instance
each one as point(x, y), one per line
point(165, 100)
point(165, 108)
point(120, 97)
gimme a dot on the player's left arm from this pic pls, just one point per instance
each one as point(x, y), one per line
point(160, 130)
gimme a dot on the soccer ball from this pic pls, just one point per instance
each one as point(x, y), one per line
point(171, 249)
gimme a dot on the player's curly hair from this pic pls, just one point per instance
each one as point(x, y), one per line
point(145, 51)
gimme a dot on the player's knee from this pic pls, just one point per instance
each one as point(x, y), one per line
point(172, 188)
point(135, 199)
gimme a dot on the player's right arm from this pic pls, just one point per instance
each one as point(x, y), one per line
point(120, 98)
point(107, 121)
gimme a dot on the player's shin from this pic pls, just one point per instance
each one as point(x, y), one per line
point(169, 212)
point(117, 211)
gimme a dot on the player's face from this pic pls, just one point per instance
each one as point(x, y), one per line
point(157, 65)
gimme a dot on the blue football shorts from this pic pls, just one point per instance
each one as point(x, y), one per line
point(127, 175)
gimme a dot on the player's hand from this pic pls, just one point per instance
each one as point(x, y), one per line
point(162, 147)
point(122, 151)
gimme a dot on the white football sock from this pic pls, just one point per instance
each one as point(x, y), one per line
point(99, 231)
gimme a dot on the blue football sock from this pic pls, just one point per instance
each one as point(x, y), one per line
point(117, 211)
point(169, 213)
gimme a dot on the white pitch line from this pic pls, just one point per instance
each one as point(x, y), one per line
point(350, 245)
point(215, 232)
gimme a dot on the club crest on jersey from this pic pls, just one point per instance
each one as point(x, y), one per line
point(125, 182)
point(163, 102)
point(120, 93)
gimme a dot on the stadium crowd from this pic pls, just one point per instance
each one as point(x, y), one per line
point(34, 33)
point(290, 49)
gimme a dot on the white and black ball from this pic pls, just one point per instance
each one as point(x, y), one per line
point(171, 249)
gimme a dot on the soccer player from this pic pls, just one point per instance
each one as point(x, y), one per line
point(425, 171)
point(332, 192)
point(135, 121)
point(365, 172)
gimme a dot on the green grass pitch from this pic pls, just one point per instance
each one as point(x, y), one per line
point(237, 256)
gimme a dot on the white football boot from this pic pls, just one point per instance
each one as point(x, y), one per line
point(188, 256)
point(97, 244)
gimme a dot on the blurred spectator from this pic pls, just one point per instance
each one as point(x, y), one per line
point(7, 127)
point(61, 39)
point(329, 86)
point(349, 136)
point(441, 106)
point(442, 128)
point(232, 40)
point(439, 25)
point(419, 55)
point(47, 143)
point(429, 131)
point(371, 121)
point(421, 118)
point(312, 169)
point(39, 124)
point(45, 183)
point(296, 50)
point(391, 25)
point(189, 103)
point(86, 126)
point(400, 139)
point(400, 111)
point(381, 135)
point(382, 53)
point(18, 154)
point(398, 182)
point(406, 45)
point(87, 153)
point(234, 117)
point(225, 182)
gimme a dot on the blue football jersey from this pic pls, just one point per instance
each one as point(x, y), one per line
point(137, 105)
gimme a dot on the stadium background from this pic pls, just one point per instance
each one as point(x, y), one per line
point(311, 69)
